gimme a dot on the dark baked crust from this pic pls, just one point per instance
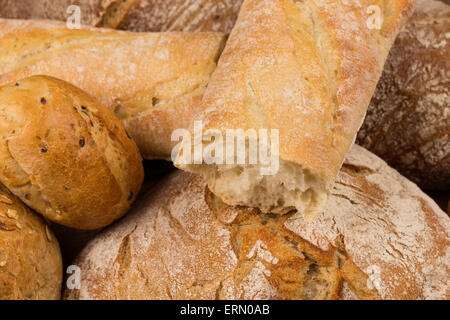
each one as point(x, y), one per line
point(408, 121)
point(30, 259)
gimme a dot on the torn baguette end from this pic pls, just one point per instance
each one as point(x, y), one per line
point(293, 187)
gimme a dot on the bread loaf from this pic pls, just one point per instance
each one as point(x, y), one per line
point(305, 71)
point(153, 82)
point(408, 121)
point(380, 237)
point(91, 11)
point(132, 15)
point(65, 155)
point(181, 15)
point(30, 259)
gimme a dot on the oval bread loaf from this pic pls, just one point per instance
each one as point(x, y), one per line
point(30, 258)
point(408, 121)
point(303, 73)
point(380, 237)
point(65, 155)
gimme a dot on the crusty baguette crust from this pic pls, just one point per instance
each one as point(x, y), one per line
point(141, 77)
point(305, 68)
point(65, 155)
point(408, 120)
point(30, 259)
point(381, 237)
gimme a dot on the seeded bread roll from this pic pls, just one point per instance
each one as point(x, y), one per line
point(153, 82)
point(65, 155)
point(380, 237)
point(305, 71)
point(181, 15)
point(408, 121)
point(30, 259)
point(91, 11)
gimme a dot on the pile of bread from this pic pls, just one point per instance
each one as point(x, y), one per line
point(80, 107)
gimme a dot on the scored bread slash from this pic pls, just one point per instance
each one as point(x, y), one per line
point(304, 71)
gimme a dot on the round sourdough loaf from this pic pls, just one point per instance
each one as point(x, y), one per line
point(408, 121)
point(380, 237)
point(65, 155)
point(30, 259)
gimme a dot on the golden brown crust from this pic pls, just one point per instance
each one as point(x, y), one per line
point(381, 237)
point(133, 15)
point(305, 68)
point(30, 259)
point(408, 120)
point(65, 155)
point(393, 232)
point(156, 76)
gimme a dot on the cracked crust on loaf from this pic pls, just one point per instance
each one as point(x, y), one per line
point(308, 69)
point(380, 237)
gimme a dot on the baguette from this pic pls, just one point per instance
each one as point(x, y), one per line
point(153, 82)
point(305, 70)
point(408, 120)
point(380, 238)
point(65, 155)
point(30, 258)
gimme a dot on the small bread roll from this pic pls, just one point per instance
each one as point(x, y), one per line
point(30, 259)
point(65, 155)
point(380, 237)
point(408, 121)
